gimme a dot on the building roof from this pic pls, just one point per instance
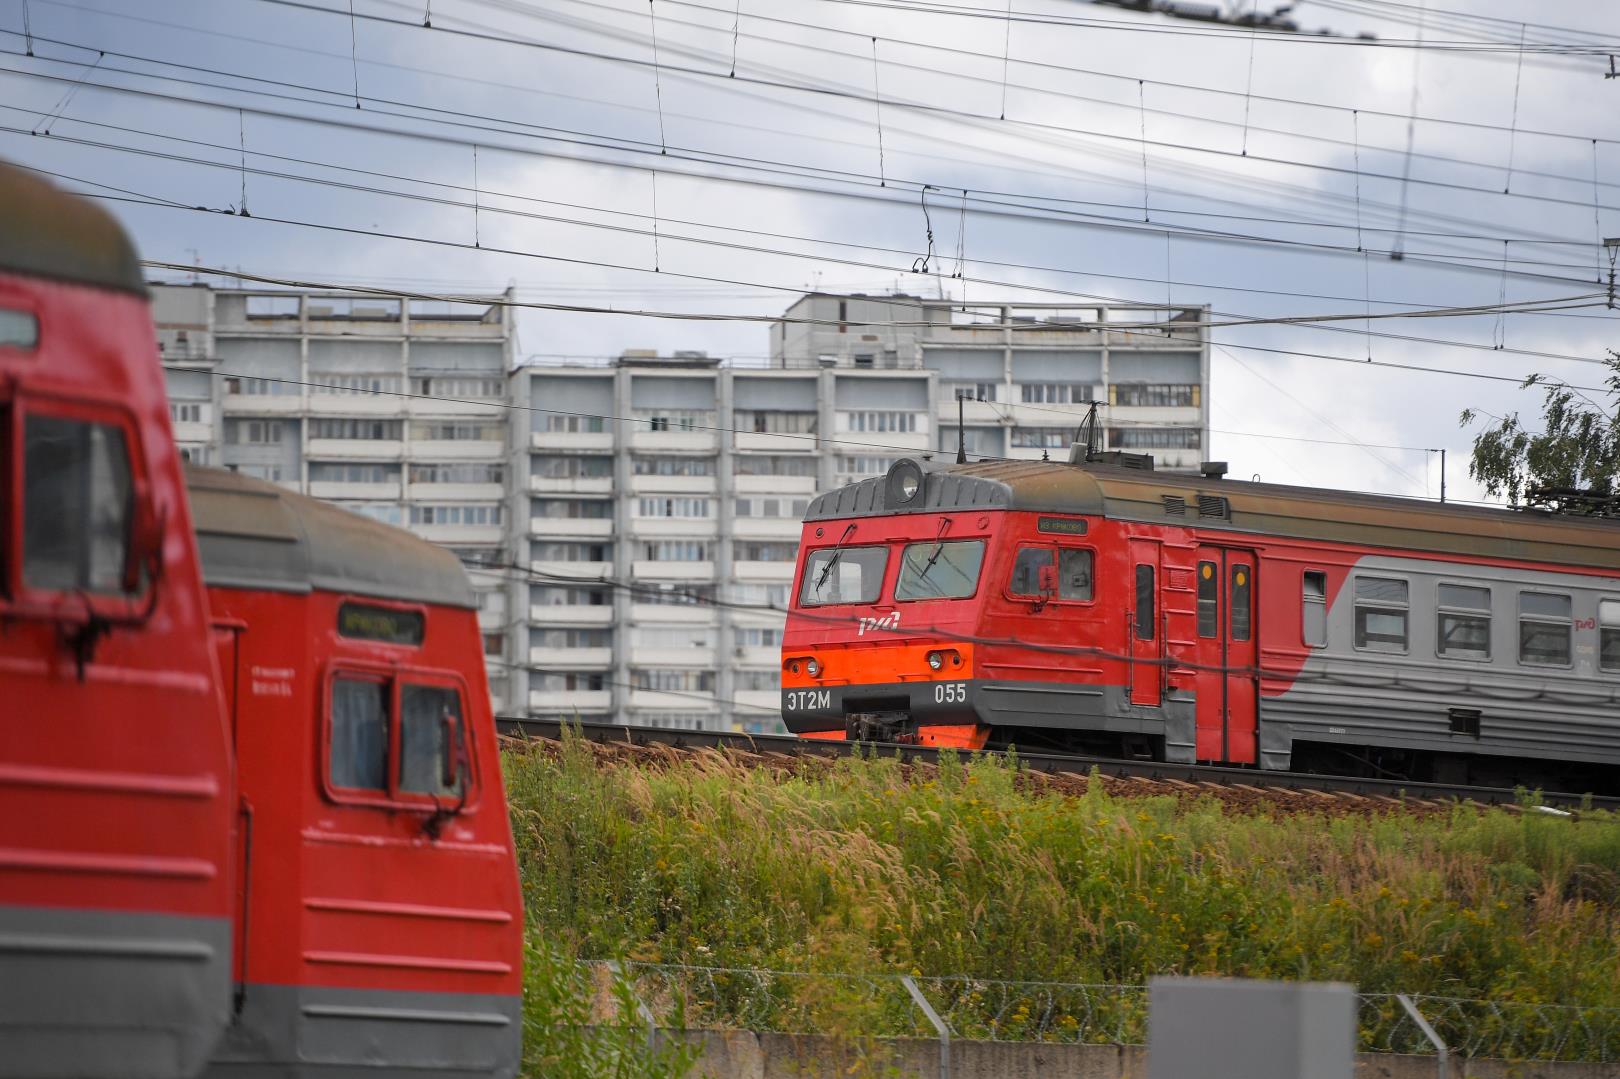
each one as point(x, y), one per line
point(46, 232)
point(1232, 505)
point(253, 534)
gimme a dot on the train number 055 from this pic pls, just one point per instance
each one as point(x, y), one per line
point(950, 693)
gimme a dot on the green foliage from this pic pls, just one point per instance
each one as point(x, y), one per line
point(1578, 447)
point(866, 867)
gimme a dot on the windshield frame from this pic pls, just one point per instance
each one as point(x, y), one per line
point(927, 550)
point(815, 562)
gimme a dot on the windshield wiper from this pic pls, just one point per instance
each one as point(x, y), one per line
point(939, 548)
point(838, 552)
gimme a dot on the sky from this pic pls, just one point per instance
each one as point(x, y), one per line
point(716, 157)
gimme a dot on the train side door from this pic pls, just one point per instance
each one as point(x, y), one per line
point(1144, 626)
point(227, 634)
point(1228, 687)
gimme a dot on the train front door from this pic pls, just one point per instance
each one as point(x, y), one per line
point(1227, 680)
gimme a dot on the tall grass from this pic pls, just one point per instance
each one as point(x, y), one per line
point(864, 867)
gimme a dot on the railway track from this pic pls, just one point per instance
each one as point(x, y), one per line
point(1152, 776)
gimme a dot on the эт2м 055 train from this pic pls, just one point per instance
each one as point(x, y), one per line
point(1099, 607)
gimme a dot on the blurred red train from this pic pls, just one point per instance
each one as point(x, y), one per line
point(254, 826)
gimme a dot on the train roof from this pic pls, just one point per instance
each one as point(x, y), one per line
point(46, 232)
point(1310, 513)
point(253, 534)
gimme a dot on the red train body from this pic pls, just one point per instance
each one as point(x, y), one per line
point(256, 828)
point(1096, 607)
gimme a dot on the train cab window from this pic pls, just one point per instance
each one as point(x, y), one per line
point(939, 570)
point(1145, 613)
point(18, 329)
point(1074, 572)
point(430, 740)
point(1313, 608)
point(395, 738)
point(1240, 596)
point(1209, 600)
point(843, 575)
point(359, 757)
point(1381, 614)
point(1465, 622)
point(78, 504)
point(1545, 628)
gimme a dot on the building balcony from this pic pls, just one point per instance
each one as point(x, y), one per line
point(642, 614)
point(491, 621)
point(452, 407)
point(455, 492)
point(644, 571)
point(255, 404)
point(769, 572)
point(568, 702)
point(1158, 415)
point(690, 658)
point(767, 656)
point(750, 701)
point(672, 485)
point(570, 527)
point(600, 441)
point(544, 485)
point(460, 535)
point(370, 492)
point(193, 432)
point(570, 614)
point(974, 413)
point(355, 449)
point(354, 404)
point(675, 441)
point(674, 527)
point(563, 572)
point(766, 528)
point(471, 449)
point(765, 442)
point(694, 700)
point(572, 659)
point(892, 443)
point(774, 485)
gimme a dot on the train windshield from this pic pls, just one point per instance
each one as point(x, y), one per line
point(843, 575)
point(940, 570)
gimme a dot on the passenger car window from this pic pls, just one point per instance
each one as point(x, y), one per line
point(1145, 616)
point(1545, 628)
point(1313, 608)
point(843, 575)
point(359, 755)
point(1464, 622)
point(1242, 617)
point(430, 739)
point(939, 570)
point(1609, 634)
point(1209, 600)
point(78, 502)
point(1381, 614)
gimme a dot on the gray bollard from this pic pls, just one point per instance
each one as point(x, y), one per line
point(1221, 1028)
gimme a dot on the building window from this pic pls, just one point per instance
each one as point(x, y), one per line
point(327, 382)
point(675, 551)
point(571, 552)
point(458, 386)
point(571, 509)
point(755, 551)
point(864, 466)
point(971, 391)
point(474, 514)
point(386, 512)
point(271, 307)
point(1155, 395)
point(672, 466)
point(1313, 608)
point(494, 644)
point(750, 464)
point(457, 432)
point(678, 419)
point(787, 508)
point(1042, 438)
point(343, 472)
point(574, 425)
point(561, 467)
point(770, 422)
point(571, 638)
point(185, 412)
point(673, 681)
point(664, 595)
point(469, 472)
point(887, 421)
point(545, 595)
point(1464, 622)
point(1154, 438)
point(1054, 393)
point(759, 636)
point(757, 594)
point(673, 637)
point(673, 507)
point(253, 432)
point(249, 386)
point(356, 429)
point(1545, 628)
point(1380, 614)
point(569, 681)
point(758, 681)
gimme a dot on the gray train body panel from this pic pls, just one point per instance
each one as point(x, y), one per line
point(304, 1032)
point(110, 992)
point(1351, 696)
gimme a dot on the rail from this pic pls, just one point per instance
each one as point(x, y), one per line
point(1207, 776)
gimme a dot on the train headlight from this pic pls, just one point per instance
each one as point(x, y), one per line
point(936, 661)
point(813, 668)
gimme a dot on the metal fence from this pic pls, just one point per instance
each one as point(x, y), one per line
point(960, 1007)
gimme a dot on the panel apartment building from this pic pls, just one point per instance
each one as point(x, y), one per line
point(665, 494)
point(394, 409)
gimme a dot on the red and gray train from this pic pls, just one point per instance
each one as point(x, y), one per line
point(251, 812)
point(1103, 606)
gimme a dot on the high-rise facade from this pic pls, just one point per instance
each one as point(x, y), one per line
point(643, 515)
point(392, 408)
